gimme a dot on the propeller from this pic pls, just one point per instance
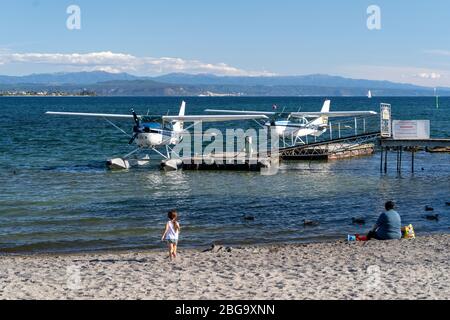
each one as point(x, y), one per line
point(135, 117)
point(133, 138)
point(136, 127)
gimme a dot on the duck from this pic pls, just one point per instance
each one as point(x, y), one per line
point(428, 208)
point(248, 217)
point(310, 223)
point(358, 220)
point(432, 217)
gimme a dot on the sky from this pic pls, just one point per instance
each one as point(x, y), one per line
point(251, 37)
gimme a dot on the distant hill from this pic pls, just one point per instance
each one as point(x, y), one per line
point(319, 80)
point(67, 78)
point(180, 84)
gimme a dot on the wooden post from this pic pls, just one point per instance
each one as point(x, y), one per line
point(381, 160)
point(385, 160)
point(412, 159)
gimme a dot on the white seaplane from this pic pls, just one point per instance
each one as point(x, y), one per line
point(153, 132)
point(299, 124)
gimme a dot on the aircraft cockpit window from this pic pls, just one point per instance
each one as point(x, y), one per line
point(152, 125)
point(299, 120)
point(150, 119)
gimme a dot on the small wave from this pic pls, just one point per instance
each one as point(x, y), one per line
point(75, 246)
point(86, 168)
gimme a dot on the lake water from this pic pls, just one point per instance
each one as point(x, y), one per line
point(56, 194)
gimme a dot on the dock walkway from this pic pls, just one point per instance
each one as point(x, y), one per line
point(351, 146)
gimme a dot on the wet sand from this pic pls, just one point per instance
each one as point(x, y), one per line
point(406, 269)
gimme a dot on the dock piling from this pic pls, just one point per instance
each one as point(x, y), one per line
point(409, 144)
point(385, 159)
point(397, 154)
point(381, 160)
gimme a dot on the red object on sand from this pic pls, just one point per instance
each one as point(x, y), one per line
point(361, 238)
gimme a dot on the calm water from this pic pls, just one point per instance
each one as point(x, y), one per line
point(56, 195)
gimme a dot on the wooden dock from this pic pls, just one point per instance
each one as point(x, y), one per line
point(223, 161)
point(357, 151)
point(399, 146)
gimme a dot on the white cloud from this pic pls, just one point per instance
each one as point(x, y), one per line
point(432, 75)
point(438, 52)
point(121, 62)
point(414, 75)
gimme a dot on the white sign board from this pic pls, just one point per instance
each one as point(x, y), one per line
point(385, 126)
point(411, 129)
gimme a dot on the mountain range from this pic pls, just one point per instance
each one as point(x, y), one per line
point(181, 84)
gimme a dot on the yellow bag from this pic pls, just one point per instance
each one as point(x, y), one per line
point(408, 232)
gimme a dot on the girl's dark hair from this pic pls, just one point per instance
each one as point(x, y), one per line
point(389, 205)
point(173, 217)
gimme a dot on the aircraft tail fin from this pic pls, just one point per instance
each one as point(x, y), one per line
point(179, 125)
point(323, 120)
point(326, 106)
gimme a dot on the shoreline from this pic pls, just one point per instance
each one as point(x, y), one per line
point(118, 251)
point(321, 239)
point(241, 96)
point(47, 96)
point(405, 269)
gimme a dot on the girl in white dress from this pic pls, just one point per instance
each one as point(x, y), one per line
point(171, 233)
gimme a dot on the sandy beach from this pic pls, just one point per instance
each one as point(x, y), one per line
point(407, 269)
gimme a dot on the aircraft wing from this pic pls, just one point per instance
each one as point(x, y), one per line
point(335, 114)
point(98, 115)
point(240, 112)
point(214, 118)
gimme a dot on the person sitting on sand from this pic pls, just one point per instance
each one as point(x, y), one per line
point(171, 233)
point(388, 226)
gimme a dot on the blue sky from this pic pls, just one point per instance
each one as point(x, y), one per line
point(285, 37)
